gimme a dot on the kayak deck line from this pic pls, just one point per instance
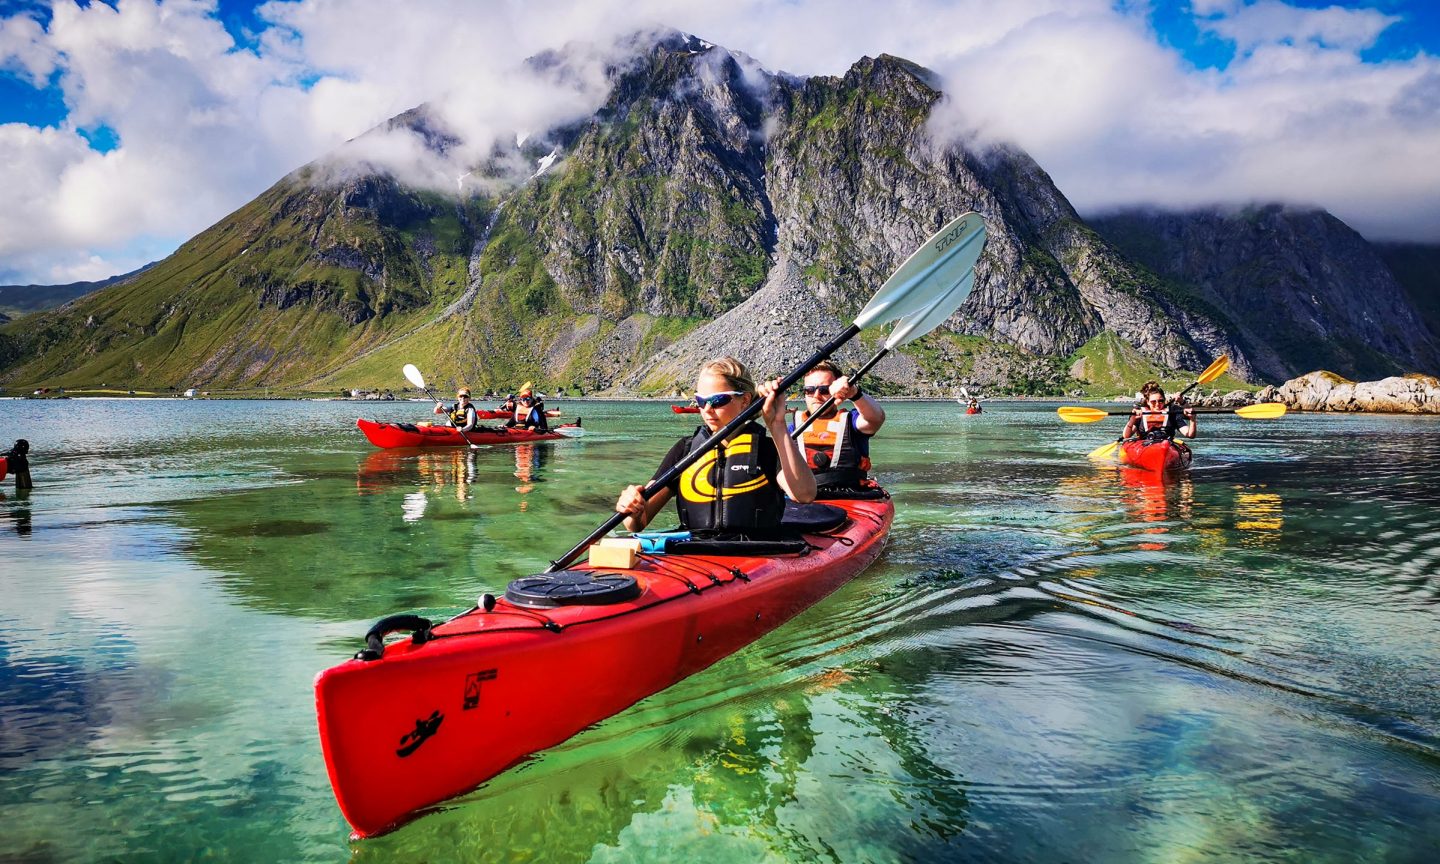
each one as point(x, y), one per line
point(436, 715)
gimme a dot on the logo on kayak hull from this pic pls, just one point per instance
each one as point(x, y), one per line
point(424, 729)
point(472, 687)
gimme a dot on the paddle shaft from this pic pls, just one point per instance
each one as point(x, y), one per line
point(858, 374)
point(649, 490)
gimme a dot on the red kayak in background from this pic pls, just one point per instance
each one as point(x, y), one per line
point(685, 409)
point(1158, 456)
point(412, 435)
point(407, 724)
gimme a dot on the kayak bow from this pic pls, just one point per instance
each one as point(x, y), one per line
point(1158, 456)
point(409, 724)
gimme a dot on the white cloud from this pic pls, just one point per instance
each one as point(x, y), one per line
point(1111, 114)
point(1271, 22)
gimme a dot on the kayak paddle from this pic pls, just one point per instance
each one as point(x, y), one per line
point(412, 374)
point(1213, 371)
point(907, 330)
point(930, 272)
point(1260, 411)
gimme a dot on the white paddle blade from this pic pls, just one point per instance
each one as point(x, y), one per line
point(570, 431)
point(413, 375)
point(942, 260)
point(917, 324)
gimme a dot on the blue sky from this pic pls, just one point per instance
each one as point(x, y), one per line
point(127, 127)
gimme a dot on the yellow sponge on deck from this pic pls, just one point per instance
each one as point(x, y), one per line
point(617, 552)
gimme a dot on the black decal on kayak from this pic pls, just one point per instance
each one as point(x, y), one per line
point(423, 730)
point(472, 687)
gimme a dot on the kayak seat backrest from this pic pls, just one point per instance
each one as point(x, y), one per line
point(812, 518)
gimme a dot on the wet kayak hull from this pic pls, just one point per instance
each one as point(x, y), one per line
point(388, 435)
point(426, 722)
point(1157, 456)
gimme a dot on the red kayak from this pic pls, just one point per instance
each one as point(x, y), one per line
point(408, 724)
point(411, 435)
point(1158, 456)
point(685, 409)
point(972, 410)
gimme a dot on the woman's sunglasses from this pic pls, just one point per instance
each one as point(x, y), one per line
point(816, 389)
point(716, 400)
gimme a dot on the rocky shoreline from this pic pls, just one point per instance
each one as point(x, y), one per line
point(1326, 391)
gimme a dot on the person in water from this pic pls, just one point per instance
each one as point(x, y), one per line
point(18, 464)
point(837, 446)
point(1157, 420)
point(738, 488)
point(462, 414)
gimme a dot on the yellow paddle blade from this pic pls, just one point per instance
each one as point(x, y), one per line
point(1105, 452)
point(1263, 411)
point(1078, 414)
point(1214, 370)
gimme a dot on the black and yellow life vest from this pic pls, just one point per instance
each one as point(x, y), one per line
point(834, 450)
point(727, 490)
point(457, 415)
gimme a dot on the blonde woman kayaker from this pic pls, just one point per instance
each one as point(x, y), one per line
point(738, 488)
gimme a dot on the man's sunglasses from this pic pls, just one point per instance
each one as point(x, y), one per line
point(716, 400)
point(816, 389)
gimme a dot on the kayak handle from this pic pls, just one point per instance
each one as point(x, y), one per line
point(375, 638)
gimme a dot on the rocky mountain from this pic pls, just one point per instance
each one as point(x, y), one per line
point(709, 205)
point(1303, 289)
point(1416, 266)
point(17, 300)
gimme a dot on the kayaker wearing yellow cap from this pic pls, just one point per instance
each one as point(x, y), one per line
point(738, 488)
point(529, 410)
point(462, 415)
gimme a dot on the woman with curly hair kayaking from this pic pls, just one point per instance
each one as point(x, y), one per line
point(1156, 420)
point(739, 487)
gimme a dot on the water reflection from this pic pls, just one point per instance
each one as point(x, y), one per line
point(18, 513)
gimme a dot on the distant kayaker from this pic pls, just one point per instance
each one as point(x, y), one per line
point(837, 446)
point(739, 488)
point(462, 414)
point(509, 405)
point(18, 463)
point(973, 407)
point(1157, 420)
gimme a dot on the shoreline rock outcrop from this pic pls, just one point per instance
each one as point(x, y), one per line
point(1326, 391)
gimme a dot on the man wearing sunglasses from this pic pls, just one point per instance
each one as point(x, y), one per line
point(837, 446)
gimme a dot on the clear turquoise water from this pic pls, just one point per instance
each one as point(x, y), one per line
point(1051, 662)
